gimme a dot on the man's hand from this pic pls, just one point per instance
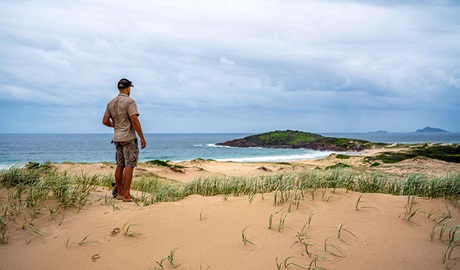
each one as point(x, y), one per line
point(138, 128)
point(143, 143)
point(106, 121)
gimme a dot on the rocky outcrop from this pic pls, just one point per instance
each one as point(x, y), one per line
point(307, 145)
point(297, 139)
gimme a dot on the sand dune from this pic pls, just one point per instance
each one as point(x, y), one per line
point(207, 232)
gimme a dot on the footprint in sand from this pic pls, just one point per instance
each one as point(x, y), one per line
point(115, 231)
point(95, 257)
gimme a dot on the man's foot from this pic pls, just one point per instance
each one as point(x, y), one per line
point(127, 199)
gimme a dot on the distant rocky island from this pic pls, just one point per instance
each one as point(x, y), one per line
point(431, 130)
point(299, 139)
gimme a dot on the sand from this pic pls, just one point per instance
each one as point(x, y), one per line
point(207, 232)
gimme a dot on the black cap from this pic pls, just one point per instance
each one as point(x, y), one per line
point(125, 83)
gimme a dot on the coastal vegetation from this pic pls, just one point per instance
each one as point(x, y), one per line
point(31, 187)
point(299, 139)
point(29, 192)
point(448, 152)
point(161, 163)
point(40, 191)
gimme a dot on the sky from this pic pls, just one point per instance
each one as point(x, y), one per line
point(236, 66)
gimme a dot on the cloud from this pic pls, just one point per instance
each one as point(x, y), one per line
point(226, 66)
point(226, 62)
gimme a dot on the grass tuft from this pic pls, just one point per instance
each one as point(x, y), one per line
point(244, 238)
point(85, 241)
point(340, 229)
point(410, 212)
point(126, 230)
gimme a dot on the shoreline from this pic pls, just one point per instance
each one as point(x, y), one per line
point(267, 158)
point(166, 149)
point(198, 168)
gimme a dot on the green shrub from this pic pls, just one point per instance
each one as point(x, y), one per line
point(337, 166)
point(158, 162)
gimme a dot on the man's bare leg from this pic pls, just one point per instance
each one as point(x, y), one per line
point(119, 180)
point(127, 177)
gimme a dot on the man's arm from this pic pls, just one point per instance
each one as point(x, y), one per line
point(106, 121)
point(138, 128)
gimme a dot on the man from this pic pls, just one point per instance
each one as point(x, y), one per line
point(121, 114)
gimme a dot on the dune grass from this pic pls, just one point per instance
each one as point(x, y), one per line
point(126, 230)
point(30, 192)
point(244, 238)
point(170, 258)
point(27, 192)
point(29, 188)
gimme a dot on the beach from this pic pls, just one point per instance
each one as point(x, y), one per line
point(331, 228)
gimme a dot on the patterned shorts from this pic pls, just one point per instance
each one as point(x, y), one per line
point(127, 153)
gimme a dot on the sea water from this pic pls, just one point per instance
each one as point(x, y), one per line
point(19, 149)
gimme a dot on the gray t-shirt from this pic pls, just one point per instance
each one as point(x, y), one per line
point(120, 109)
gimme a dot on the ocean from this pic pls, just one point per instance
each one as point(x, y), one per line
point(19, 149)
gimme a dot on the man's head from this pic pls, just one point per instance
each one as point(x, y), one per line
point(124, 83)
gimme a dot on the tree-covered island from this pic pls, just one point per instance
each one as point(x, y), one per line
point(299, 139)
